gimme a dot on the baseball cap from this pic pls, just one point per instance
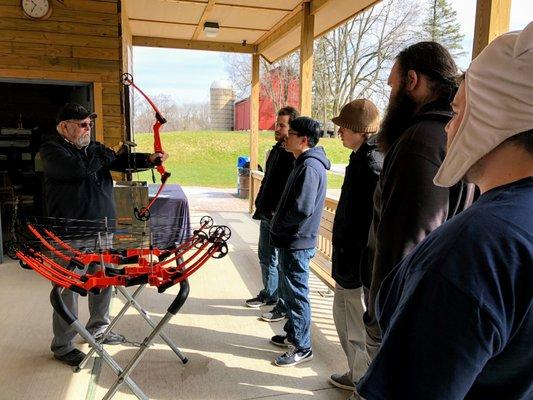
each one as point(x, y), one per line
point(73, 111)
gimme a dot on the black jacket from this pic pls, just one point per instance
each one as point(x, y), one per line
point(297, 218)
point(277, 170)
point(354, 214)
point(407, 204)
point(77, 182)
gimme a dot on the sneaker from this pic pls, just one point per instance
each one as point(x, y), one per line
point(294, 357)
point(258, 301)
point(72, 358)
point(111, 338)
point(343, 381)
point(280, 340)
point(273, 316)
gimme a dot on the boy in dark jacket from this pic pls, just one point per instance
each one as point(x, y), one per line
point(294, 232)
point(358, 122)
point(278, 168)
point(79, 188)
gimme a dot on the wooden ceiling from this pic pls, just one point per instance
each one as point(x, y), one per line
point(268, 27)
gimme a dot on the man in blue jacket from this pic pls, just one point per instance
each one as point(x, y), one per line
point(278, 168)
point(294, 230)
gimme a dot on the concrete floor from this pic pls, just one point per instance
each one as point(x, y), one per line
point(228, 347)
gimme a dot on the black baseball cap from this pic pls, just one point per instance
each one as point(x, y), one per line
point(73, 111)
point(305, 126)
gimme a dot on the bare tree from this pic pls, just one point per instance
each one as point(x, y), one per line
point(188, 116)
point(276, 78)
point(352, 61)
point(239, 69)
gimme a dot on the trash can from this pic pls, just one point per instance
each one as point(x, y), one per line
point(243, 177)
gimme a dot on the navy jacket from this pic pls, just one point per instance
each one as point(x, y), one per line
point(354, 214)
point(78, 182)
point(297, 218)
point(457, 313)
point(277, 170)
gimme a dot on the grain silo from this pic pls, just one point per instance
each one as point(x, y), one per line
point(222, 106)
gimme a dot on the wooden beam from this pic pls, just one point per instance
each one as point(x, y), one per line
point(157, 21)
point(153, 21)
point(287, 24)
point(492, 19)
point(50, 75)
point(207, 10)
point(306, 59)
point(232, 5)
point(254, 121)
point(193, 44)
point(280, 32)
point(316, 5)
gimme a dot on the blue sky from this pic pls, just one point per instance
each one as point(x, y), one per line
point(186, 75)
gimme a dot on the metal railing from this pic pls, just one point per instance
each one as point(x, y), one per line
point(321, 263)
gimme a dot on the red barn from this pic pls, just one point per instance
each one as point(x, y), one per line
point(267, 113)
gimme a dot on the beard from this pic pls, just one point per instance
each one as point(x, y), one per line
point(83, 141)
point(475, 172)
point(398, 116)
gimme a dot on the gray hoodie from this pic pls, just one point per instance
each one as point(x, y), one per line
point(297, 218)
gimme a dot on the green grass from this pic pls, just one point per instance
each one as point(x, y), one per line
point(209, 158)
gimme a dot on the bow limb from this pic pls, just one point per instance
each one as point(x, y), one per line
point(144, 213)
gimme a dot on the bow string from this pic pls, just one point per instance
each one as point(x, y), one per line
point(143, 214)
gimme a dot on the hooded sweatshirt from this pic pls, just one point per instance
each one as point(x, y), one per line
point(297, 218)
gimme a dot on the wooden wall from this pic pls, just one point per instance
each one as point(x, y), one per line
point(81, 41)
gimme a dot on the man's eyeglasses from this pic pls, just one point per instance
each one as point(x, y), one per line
point(83, 125)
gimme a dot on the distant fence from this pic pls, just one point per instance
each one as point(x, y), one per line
point(321, 263)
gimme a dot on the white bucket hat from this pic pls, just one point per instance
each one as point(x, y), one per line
point(499, 103)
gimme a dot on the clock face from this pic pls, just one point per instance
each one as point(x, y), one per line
point(37, 9)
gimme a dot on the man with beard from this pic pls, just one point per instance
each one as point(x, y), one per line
point(457, 313)
point(78, 189)
point(407, 205)
point(278, 168)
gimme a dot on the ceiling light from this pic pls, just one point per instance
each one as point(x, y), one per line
point(210, 28)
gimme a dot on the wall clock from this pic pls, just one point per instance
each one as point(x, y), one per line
point(36, 9)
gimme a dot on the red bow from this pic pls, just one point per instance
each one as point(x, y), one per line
point(143, 214)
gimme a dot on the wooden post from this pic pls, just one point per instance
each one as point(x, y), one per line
point(254, 123)
point(492, 19)
point(99, 110)
point(306, 59)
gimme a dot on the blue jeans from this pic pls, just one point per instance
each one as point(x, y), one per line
point(268, 260)
point(294, 275)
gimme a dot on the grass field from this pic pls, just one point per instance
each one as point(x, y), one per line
point(210, 158)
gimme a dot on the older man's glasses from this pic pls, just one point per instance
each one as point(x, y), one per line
point(83, 125)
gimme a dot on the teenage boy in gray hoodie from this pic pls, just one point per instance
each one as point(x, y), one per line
point(294, 230)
